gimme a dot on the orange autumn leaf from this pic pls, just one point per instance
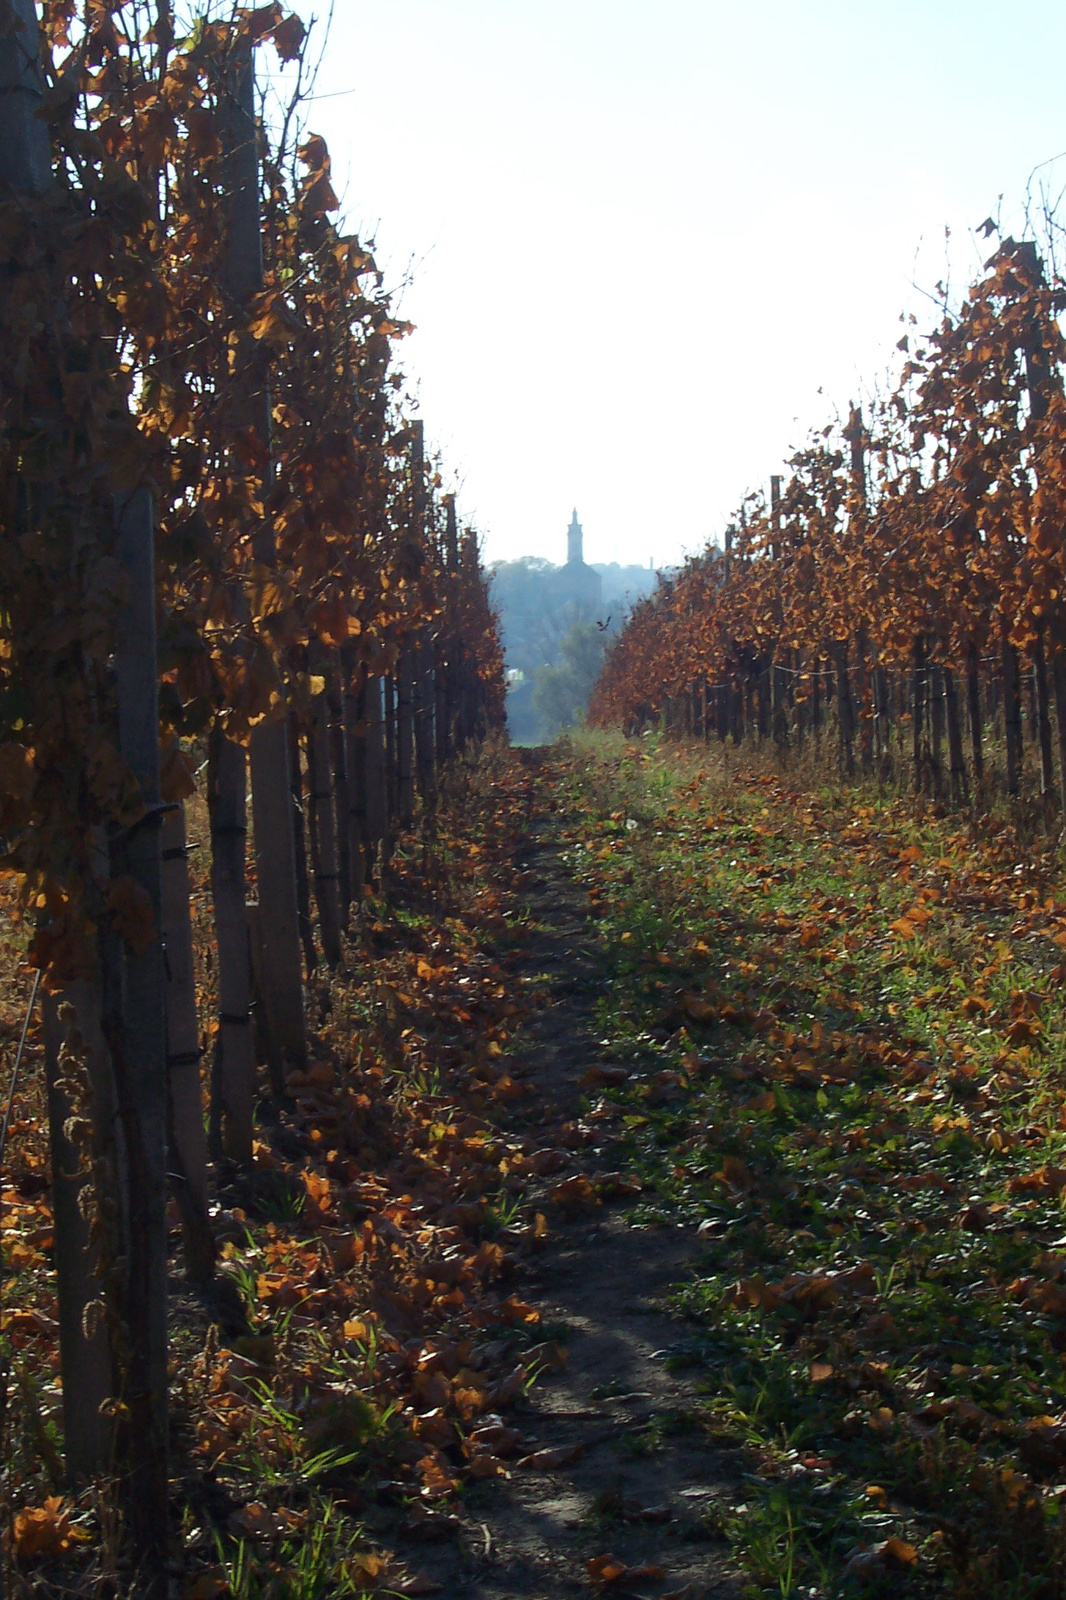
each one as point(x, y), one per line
point(45, 1530)
point(890, 1555)
point(574, 1193)
point(606, 1570)
point(318, 1189)
point(697, 1009)
point(735, 1175)
point(603, 1570)
point(437, 1480)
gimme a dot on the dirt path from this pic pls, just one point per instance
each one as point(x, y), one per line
point(645, 1478)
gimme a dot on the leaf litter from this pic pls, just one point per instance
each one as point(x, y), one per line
point(370, 1344)
point(840, 1036)
point(833, 1043)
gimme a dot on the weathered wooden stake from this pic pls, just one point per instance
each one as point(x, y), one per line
point(188, 1141)
point(973, 709)
point(1012, 707)
point(136, 1036)
point(275, 858)
point(355, 756)
point(72, 1019)
point(1058, 679)
point(936, 728)
point(342, 803)
point(960, 789)
point(845, 707)
point(1043, 717)
point(323, 832)
point(303, 882)
point(405, 771)
point(25, 154)
point(918, 699)
point(391, 764)
point(275, 851)
point(226, 781)
point(377, 797)
point(26, 164)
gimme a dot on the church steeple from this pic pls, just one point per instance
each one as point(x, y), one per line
point(574, 539)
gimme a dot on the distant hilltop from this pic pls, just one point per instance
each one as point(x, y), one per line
point(555, 623)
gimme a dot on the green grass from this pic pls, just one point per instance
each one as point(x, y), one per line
point(846, 1041)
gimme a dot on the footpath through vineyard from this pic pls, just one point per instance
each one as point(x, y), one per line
point(672, 1205)
point(433, 1358)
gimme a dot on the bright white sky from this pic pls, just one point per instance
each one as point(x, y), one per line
point(642, 237)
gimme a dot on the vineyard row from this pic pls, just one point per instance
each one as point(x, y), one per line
point(221, 540)
point(907, 581)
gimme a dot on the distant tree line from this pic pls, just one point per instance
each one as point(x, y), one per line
point(554, 635)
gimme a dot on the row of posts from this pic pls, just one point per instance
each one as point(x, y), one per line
point(127, 1044)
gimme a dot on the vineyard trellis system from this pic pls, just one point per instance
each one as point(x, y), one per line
point(907, 584)
point(220, 531)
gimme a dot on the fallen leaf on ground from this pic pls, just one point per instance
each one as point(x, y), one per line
point(605, 1570)
point(735, 1175)
point(256, 1522)
point(436, 1479)
point(45, 1530)
point(616, 1185)
point(890, 1555)
point(603, 1077)
point(574, 1193)
point(543, 1163)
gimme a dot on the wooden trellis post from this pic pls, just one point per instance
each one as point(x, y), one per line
point(452, 646)
point(1012, 706)
point(134, 1024)
point(342, 800)
point(303, 883)
point(377, 790)
point(354, 715)
point(405, 742)
point(391, 763)
point(25, 153)
point(26, 164)
point(72, 1020)
point(779, 684)
point(323, 831)
point(235, 1061)
point(269, 757)
point(188, 1144)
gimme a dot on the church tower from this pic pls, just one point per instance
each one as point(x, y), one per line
point(574, 539)
point(576, 585)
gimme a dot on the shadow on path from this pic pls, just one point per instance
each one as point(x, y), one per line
point(647, 1477)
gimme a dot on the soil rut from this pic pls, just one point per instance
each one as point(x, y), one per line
point(645, 1479)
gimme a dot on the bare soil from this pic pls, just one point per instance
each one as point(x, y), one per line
point(646, 1478)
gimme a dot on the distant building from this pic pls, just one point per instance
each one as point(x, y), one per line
point(555, 621)
point(575, 538)
point(577, 584)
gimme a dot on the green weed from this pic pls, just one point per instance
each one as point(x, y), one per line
point(846, 1052)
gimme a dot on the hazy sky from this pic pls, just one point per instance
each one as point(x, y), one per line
point(642, 237)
